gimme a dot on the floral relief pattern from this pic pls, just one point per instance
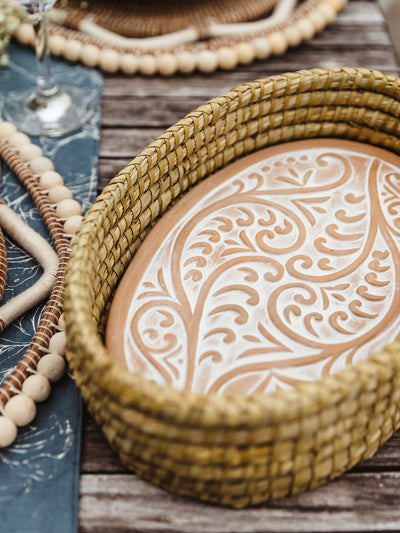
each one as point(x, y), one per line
point(282, 272)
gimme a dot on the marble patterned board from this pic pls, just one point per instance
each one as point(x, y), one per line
point(281, 268)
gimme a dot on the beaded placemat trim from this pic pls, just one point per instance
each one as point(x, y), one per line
point(43, 363)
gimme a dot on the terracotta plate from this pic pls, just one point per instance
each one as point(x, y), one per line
point(281, 268)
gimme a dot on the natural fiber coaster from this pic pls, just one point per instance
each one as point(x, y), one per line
point(277, 270)
point(155, 38)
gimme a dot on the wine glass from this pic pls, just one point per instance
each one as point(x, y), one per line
point(48, 109)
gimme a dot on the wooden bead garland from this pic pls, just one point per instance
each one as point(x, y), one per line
point(224, 52)
point(43, 363)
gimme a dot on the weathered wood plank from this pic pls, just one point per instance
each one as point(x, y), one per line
point(366, 12)
point(352, 503)
point(126, 143)
point(203, 86)
point(108, 168)
point(96, 454)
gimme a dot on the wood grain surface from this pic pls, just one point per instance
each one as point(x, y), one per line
point(135, 111)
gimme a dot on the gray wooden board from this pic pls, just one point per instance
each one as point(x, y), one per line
point(135, 111)
point(355, 502)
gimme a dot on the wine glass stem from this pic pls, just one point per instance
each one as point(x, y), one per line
point(46, 85)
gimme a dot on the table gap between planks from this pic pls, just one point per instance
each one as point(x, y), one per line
point(135, 111)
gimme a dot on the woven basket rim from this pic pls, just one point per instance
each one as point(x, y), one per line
point(216, 410)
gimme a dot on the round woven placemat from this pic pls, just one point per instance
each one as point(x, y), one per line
point(98, 35)
point(135, 18)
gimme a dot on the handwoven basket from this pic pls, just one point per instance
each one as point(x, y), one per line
point(236, 451)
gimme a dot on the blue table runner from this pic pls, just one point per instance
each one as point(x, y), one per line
point(39, 473)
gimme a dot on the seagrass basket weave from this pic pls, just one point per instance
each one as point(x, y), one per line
point(232, 450)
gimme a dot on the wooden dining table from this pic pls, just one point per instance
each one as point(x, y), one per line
point(135, 110)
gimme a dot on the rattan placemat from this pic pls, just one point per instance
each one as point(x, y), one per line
point(131, 37)
point(135, 18)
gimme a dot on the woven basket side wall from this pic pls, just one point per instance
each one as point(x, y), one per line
point(238, 450)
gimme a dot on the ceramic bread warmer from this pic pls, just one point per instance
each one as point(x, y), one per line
point(243, 346)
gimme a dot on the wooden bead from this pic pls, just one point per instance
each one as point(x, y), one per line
point(186, 61)
point(29, 151)
point(207, 61)
point(246, 53)
point(72, 50)
point(40, 164)
point(7, 129)
point(57, 44)
point(52, 366)
point(317, 20)
point(293, 35)
point(278, 43)
point(227, 57)
point(61, 322)
point(24, 33)
point(71, 225)
point(50, 179)
point(262, 47)
point(16, 140)
point(58, 343)
point(37, 387)
point(147, 64)
point(90, 55)
point(20, 409)
point(129, 63)
point(109, 60)
point(66, 208)
point(167, 64)
point(8, 431)
point(327, 11)
point(58, 193)
point(306, 28)
point(336, 4)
